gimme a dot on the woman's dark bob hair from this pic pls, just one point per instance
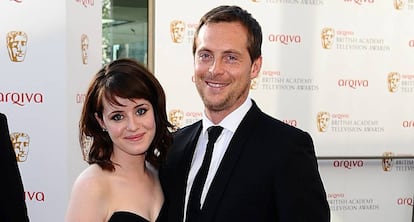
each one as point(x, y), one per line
point(125, 78)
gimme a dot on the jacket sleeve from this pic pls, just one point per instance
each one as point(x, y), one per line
point(13, 205)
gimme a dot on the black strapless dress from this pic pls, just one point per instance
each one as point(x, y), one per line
point(125, 216)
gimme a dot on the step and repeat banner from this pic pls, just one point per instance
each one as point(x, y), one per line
point(49, 50)
point(343, 70)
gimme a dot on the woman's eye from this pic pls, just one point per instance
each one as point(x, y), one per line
point(141, 111)
point(117, 117)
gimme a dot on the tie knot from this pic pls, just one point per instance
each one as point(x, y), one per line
point(213, 133)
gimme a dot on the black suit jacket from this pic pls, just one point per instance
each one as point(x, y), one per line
point(268, 173)
point(13, 206)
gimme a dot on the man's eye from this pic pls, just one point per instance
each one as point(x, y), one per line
point(205, 57)
point(231, 58)
point(141, 111)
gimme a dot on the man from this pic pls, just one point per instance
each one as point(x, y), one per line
point(261, 169)
point(13, 206)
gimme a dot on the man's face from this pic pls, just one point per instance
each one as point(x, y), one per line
point(223, 68)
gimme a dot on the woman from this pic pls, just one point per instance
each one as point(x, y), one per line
point(124, 115)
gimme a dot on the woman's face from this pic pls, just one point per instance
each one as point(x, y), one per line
point(131, 126)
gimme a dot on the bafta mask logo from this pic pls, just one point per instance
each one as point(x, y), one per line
point(399, 4)
point(322, 121)
point(86, 144)
point(177, 30)
point(20, 143)
point(387, 161)
point(327, 37)
point(393, 81)
point(254, 83)
point(16, 45)
point(84, 48)
point(176, 117)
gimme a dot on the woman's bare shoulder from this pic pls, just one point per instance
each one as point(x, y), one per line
point(91, 182)
point(89, 195)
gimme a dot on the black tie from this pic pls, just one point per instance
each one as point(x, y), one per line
point(194, 206)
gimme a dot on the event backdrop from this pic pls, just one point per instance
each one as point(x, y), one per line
point(48, 52)
point(341, 70)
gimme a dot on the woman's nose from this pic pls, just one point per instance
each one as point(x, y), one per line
point(133, 124)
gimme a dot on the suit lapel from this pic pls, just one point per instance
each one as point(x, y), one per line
point(189, 145)
point(184, 149)
point(227, 165)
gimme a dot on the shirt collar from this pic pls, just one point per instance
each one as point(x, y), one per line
point(231, 121)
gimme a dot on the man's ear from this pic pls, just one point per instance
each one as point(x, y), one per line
point(256, 66)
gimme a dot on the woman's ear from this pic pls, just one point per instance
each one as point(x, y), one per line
point(100, 121)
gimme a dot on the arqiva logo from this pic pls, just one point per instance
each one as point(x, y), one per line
point(353, 83)
point(408, 124)
point(360, 2)
point(285, 39)
point(405, 201)
point(86, 3)
point(20, 99)
point(37, 196)
point(348, 164)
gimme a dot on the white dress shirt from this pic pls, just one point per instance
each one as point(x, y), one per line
point(229, 124)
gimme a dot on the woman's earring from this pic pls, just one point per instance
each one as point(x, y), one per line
point(157, 152)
